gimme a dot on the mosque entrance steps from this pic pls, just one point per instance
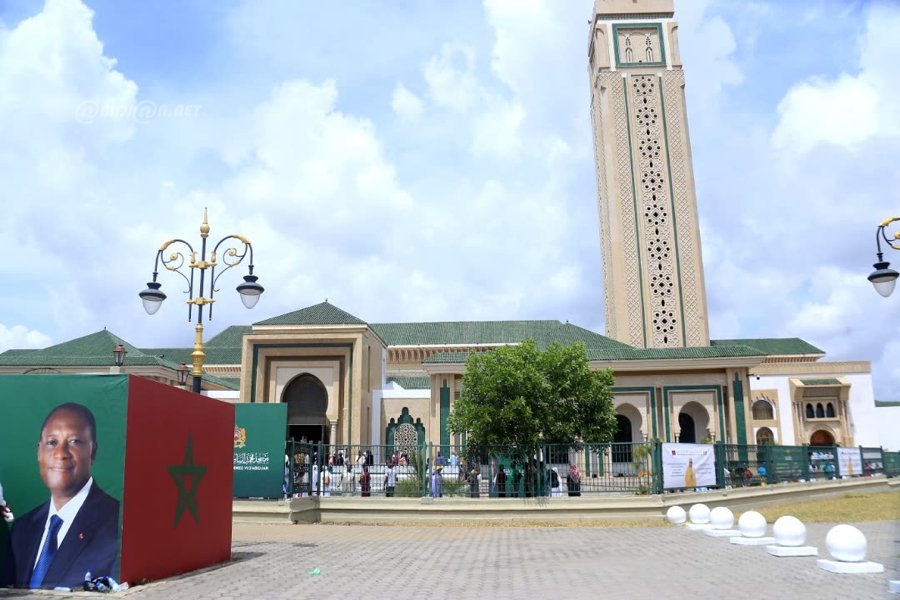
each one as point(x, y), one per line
point(610, 507)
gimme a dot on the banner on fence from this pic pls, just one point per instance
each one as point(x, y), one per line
point(850, 462)
point(688, 465)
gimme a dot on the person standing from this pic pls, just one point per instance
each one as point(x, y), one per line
point(573, 480)
point(390, 480)
point(436, 483)
point(501, 482)
point(365, 482)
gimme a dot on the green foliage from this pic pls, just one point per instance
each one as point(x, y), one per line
point(408, 488)
point(522, 397)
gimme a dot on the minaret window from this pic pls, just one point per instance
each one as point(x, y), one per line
point(829, 410)
point(649, 49)
point(629, 53)
point(810, 412)
point(820, 411)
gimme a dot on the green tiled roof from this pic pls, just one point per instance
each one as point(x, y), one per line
point(629, 353)
point(232, 336)
point(318, 314)
point(774, 346)
point(821, 381)
point(411, 383)
point(93, 350)
point(488, 332)
point(447, 357)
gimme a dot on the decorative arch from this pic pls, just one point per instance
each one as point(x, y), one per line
point(821, 437)
point(763, 410)
point(764, 436)
point(307, 401)
point(693, 421)
point(404, 434)
point(829, 410)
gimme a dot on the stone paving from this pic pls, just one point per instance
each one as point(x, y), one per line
point(359, 561)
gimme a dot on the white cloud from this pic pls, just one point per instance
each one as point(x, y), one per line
point(497, 131)
point(807, 114)
point(19, 336)
point(405, 104)
point(849, 109)
point(451, 78)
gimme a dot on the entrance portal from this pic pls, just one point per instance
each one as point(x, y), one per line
point(821, 438)
point(688, 431)
point(307, 402)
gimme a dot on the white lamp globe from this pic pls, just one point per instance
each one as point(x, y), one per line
point(752, 524)
point(846, 543)
point(676, 515)
point(699, 514)
point(789, 531)
point(721, 517)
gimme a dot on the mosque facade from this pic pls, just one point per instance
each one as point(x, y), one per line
point(350, 382)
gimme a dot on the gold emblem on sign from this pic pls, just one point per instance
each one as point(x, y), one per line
point(240, 437)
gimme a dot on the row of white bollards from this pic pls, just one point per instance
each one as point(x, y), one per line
point(846, 544)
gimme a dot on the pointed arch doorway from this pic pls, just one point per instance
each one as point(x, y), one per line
point(307, 401)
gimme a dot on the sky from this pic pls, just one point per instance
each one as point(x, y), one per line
point(432, 161)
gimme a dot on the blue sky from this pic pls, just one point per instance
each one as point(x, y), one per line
point(432, 160)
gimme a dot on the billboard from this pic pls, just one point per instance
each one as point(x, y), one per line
point(259, 433)
point(62, 470)
point(114, 475)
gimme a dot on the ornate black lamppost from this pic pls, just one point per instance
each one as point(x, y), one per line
point(883, 277)
point(177, 260)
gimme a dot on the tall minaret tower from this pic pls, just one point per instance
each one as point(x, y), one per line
point(655, 293)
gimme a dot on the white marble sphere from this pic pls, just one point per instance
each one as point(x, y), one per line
point(699, 514)
point(846, 543)
point(752, 524)
point(721, 517)
point(676, 515)
point(789, 531)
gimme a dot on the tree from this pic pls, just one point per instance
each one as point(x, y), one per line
point(520, 397)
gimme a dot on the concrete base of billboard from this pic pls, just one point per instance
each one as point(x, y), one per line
point(748, 541)
point(837, 566)
point(792, 550)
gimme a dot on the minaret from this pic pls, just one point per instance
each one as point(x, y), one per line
point(655, 293)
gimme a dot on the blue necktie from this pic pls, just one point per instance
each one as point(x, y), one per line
point(47, 553)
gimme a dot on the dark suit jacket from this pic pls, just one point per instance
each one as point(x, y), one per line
point(91, 544)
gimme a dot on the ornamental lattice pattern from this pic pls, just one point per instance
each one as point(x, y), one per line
point(655, 212)
point(693, 302)
point(406, 438)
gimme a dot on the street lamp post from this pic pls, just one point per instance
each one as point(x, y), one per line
point(249, 290)
point(883, 277)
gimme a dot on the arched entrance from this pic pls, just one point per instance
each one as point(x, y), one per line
point(621, 449)
point(688, 429)
point(821, 438)
point(307, 402)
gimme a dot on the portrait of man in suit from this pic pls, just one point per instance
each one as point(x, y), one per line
point(77, 529)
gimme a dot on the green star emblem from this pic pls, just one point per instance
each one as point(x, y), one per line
point(187, 477)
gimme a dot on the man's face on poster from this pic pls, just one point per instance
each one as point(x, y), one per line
point(65, 454)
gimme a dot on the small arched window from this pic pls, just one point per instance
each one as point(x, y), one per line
point(765, 436)
point(820, 411)
point(810, 413)
point(629, 53)
point(762, 410)
point(649, 49)
point(829, 410)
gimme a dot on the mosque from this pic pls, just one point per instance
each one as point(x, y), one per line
point(347, 381)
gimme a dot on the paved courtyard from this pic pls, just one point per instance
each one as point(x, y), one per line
point(356, 561)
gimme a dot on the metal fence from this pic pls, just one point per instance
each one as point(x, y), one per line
point(552, 471)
